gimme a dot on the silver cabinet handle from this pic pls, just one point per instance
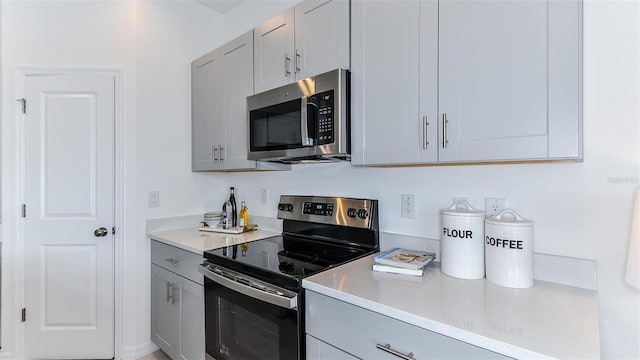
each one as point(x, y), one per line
point(425, 133)
point(296, 62)
point(173, 294)
point(445, 141)
point(220, 157)
point(169, 291)
point(286, 65)
point(215, 157)
point(387, 348)
point(171, 261)
point(100, 232)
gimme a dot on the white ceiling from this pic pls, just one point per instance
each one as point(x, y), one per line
point(221, 6)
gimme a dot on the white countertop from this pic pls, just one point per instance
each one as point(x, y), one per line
point(191, 239)
point(545, 321)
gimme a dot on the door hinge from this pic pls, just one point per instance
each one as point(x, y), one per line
point(24, 315)
point(24, 210)
point(113, 230)
point(23, 102)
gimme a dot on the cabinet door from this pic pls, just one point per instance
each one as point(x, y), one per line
point(207, 122)
point(321, 37)
point(238, 84)
point(274, 52)
point(164, 316)
point(429, 126)
point(319, 350)
point(493, 80)
point(190, 302)
point(385, 82)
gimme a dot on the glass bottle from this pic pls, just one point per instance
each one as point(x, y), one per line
point(243, 216)
point(226, 215)
point(233, 212)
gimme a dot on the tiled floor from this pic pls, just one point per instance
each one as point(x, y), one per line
point(158, 355)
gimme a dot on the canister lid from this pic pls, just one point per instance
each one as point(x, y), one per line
point(508, 217)
point(462, 208)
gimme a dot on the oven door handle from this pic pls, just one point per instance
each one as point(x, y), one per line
point(274, 299)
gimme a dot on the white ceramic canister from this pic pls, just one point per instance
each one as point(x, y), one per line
point(461, 241)
point(509, 249)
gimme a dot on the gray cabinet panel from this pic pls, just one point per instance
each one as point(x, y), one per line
point(358, 331)
point(177, 303)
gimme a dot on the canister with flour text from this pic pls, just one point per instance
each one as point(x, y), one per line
point(461, 241)
point(509, 249)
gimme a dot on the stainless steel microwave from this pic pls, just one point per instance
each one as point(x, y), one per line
point(305, 121)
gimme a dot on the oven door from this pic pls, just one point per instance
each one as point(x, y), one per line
point(248, 319)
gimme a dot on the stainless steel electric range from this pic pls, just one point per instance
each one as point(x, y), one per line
point(254, 302)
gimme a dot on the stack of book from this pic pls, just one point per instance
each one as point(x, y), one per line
point(403, 261)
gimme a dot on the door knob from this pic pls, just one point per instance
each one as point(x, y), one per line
point(100, 232)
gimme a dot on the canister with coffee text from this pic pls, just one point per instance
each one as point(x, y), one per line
point(461, 236)
point(508, 245)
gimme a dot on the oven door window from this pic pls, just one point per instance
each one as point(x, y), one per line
point(277, 127)
point(241, 327)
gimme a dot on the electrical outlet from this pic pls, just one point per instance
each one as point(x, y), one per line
point(492, 206)
point(408, 208)
point(154, 199)
point(264, 197)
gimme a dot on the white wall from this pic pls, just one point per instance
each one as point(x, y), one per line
point(170, 35)
point(580, 209)
point(153, 42)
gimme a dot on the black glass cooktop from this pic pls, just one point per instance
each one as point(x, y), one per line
point(284, 260)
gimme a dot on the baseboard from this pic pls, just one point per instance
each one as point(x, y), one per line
point(137, 352)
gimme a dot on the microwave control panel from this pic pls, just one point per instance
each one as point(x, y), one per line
point(325, 117)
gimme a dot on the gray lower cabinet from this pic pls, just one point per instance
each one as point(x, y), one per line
point(177, 302)
point(339, 330)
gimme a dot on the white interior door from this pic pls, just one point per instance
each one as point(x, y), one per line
point(69, 197)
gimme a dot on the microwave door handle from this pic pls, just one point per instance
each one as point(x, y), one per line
point(304, 128)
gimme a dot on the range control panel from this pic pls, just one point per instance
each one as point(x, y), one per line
point(361, 213)
point(315, 208)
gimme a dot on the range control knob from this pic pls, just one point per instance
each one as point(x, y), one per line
point(362, 213)
point(285, 207)
point(351, 212)
point(286, 267)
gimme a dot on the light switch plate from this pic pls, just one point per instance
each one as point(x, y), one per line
point(154, 199)
point(408, 208)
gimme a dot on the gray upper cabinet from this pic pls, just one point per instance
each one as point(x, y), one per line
point(207, 125)
point(307, 40)
point(221, 81)
point(498, 81)
point(322, 37)
point(274, 52)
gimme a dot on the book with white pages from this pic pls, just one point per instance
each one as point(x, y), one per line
point(398, 270)
point(405, 258)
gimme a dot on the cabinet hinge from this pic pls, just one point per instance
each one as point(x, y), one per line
point(24, 210)
point(113, 230)
point(23, 102)
point(24, 315)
